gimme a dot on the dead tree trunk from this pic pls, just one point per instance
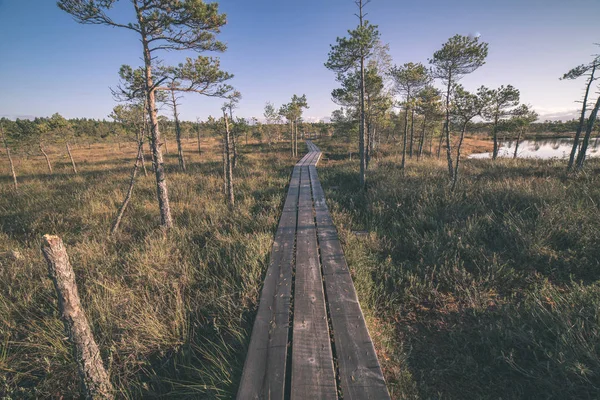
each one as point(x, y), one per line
point(224, 166)
point(71, 157)
point(581, 119)
point(412, 132)
point(232, 140)
point(228, 165)
point(588, 132)
point(233, 145)
point(140, 139)
point(439, 149)
point(517, 144)
point(421, 140)
point(47, 159)
point(292, 137)
point(405, 138)
point(458, 147)
point(296, 139)
point(177, 133)
point(123, 207)
point(199, 149)
point(447, 133)
point(431, 142)
point(12, 166)
point(368, 144)
point(94, 378)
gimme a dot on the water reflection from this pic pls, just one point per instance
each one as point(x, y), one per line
point(541, 148)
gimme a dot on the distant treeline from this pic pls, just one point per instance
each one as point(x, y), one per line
point(57, 129)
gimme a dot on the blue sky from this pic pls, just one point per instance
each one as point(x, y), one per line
point(276, 48)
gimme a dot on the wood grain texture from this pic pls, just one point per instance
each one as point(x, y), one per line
point(263, 376)
point(358, 367)
point(313, 375)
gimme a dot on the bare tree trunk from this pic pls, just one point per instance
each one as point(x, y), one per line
point(292, 137)
point(199, 148)
point(47, 159)
point(361, 134)
point(588, 132)
point(517, 144)
point(232, 141)
point(224, 166)
point(123, 207)
point(405, 137)
point(439, 150)
point(421, 140)
point(296, 139)
point(140, 139)
point(581, 119)
point(228, 165)
point(162, 191)
point(412, 131)
point(178, 133)
point(431, 143)
point(12, 166)
point(368, 143)
point(94, 378)
point(460, 141)
point(447, 131)
point(495, 134)
point(71, 157)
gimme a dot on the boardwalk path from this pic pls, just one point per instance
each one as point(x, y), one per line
point(308, 288)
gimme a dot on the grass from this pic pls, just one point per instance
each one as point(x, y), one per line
point(172, 313)
point(488, 292)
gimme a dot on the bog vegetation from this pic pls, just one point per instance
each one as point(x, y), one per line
point(479, 278)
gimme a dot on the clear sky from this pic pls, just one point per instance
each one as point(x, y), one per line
point(276, 48)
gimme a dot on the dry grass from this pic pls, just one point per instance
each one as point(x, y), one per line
point(488, 292)
point(171, 313)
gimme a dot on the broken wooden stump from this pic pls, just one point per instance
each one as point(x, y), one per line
point(94, 378)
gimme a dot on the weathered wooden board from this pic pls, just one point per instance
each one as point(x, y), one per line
point(299, 239)
point(313, 375)
point(263, 376)
point(358, 367)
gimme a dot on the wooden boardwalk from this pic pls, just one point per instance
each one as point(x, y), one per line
point(309, 339)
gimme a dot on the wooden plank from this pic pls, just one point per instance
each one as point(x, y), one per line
point(313, 375)
point(264, 371)
point(358, 367)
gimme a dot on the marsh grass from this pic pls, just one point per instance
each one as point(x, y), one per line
point(490, 291)
point(172, 314)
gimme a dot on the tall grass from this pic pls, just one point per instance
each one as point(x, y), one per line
point(171, 313)
point(488, 292)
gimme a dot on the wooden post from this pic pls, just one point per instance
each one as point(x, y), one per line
point(12, 166)
point(47, 159)
point(94, 378)
point(71, 157)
